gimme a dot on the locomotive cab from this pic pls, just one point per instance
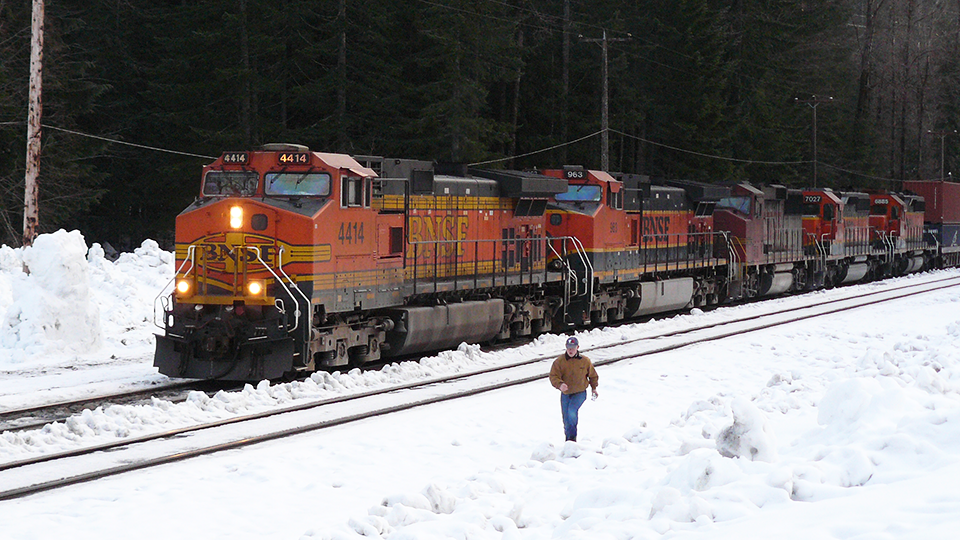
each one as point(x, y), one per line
point(823, 222)
point(897, 223)
point(897, 219)
point(765, 239)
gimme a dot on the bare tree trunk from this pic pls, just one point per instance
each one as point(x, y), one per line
point(565, 91)
point(515, 113)
point(31, 188)
point(866, 52)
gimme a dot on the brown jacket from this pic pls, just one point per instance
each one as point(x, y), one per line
point(578, 372)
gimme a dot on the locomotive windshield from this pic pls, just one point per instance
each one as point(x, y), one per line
point(740, 204)
point(308, 184)
point(811, 209)
point(230, 183)
point(579, 193)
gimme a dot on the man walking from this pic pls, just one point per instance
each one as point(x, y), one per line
point(571, 374)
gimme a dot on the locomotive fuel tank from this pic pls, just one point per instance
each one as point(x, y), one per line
point(428, 327)
point(661, 296)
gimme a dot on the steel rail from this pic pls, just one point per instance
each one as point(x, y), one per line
point(53, 411)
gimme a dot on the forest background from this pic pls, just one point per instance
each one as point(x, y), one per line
point(709, 90)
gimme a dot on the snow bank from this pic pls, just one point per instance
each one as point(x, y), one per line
point(59, 301)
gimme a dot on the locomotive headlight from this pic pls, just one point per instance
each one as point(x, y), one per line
point(236, 217)
point(184, 287)
point(255, 288)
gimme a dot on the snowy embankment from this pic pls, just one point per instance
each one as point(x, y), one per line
point(61, 302)
point(853, 434)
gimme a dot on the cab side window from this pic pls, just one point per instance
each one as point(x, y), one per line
point(354, 192)
point(614, 199)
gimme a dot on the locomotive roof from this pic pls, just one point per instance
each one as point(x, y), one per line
point(343, 161)
point(827, 193)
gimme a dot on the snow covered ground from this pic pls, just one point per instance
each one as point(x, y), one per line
point(840, 427)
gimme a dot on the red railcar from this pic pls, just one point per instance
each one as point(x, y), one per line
point(941, 216)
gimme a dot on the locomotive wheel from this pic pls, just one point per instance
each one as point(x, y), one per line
point(358, 355)
point(536, 327)
point(324, 358)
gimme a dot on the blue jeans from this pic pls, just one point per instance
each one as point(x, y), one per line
point(569, 408)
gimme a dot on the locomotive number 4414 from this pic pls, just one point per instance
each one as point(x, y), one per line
point(293, 158)
point(351, 233)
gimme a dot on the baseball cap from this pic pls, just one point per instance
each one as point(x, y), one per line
point(572, 343)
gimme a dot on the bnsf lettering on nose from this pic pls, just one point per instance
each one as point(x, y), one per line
point(223, 253)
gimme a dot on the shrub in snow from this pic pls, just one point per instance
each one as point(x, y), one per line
point(751, 435)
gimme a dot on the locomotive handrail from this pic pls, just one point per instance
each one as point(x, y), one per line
point(191, 253)
point(292, 282)
point(571, 275)
point(456, 275)
point(733, 263)
point(822, 245)
point(581, 251)
point(288, 278)
point(820, 255)
point(296, 313)
point(888, 246)
point(582, 254)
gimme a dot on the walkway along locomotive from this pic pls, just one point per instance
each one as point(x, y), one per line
point(291, 260)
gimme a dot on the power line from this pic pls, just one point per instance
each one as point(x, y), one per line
point(711, 156)
point(864, 175)
point(135, 145)
point(115, 141)
point(537, 151)
point(692, 152)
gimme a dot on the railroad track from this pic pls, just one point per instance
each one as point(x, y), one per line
point(42, 473)
point(37, 416)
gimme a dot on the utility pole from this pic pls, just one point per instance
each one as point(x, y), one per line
point(30, 211)
point(605, 100)
point(813, 102)
point(564, 100)
point(942, 134)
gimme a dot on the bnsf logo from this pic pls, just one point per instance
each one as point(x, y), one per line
point(439, 228)
point(229, 255)
point(656, 227)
